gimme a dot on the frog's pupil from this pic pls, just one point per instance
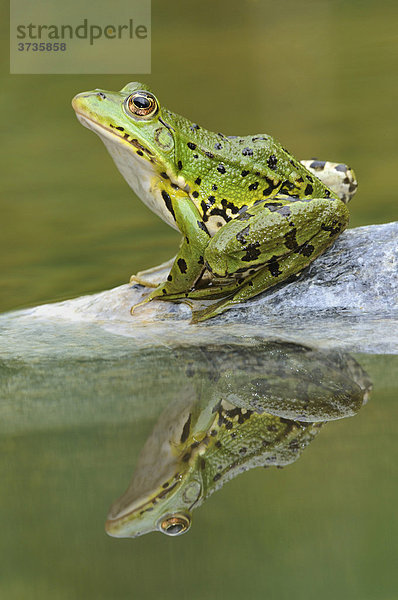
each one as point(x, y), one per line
point(175, 528)
point(141, 102)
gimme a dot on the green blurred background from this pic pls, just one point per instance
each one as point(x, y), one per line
point(318, 75)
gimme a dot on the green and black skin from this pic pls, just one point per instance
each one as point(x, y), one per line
point(242, 204)
point(250, 214)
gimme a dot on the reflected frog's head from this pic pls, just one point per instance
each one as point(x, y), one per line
point(167, 482)
point(131, 517)
point(157, 513)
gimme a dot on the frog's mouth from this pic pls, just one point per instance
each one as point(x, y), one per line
point(111, 132)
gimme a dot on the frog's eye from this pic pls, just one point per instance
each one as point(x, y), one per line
point(175, 524)
point(142, 104)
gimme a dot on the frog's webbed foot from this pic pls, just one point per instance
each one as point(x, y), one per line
point(159, 295)
point(152, 277)
point(198, 316)
point(274, 272)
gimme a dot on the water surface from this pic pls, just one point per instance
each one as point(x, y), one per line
point(71, 432)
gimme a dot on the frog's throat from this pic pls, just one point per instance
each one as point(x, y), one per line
point(138, 166)
point(111, 133)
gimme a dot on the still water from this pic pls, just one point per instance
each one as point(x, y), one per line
point(174, 425)
point(78, 428)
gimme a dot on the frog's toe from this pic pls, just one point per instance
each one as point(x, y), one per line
point(154, 294)
point(137, 280)
point(198, 316)
point(152, 277)
point(159, 293)
point(217, 308)
point(132, 309)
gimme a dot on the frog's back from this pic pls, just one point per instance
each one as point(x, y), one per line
point(251, 167)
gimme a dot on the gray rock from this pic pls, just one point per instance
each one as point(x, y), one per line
point(346, 299)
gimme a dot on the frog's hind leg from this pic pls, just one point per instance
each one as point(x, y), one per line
point(338, 177)
point(152, 277)
point(276, 240)
point(273, 273)
point(267, 277)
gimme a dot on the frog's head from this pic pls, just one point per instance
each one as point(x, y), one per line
point(140, 140)
point(129, 120)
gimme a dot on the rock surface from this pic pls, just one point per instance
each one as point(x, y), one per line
point(348, 298)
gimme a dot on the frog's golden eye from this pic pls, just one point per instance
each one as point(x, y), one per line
point(142, 104)
point(175, 524)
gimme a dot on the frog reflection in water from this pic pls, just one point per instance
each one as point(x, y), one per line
point(253, 407)
point(250, 214)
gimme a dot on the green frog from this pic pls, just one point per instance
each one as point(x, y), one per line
point(251, 215)
point(237, 407)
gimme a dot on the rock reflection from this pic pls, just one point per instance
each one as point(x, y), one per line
point(241, 407)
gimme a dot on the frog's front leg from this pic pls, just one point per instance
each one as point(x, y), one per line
point(269, 243)
point(188, 265)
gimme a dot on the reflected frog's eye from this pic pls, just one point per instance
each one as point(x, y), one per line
point(175, 524)
point(142, 104)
